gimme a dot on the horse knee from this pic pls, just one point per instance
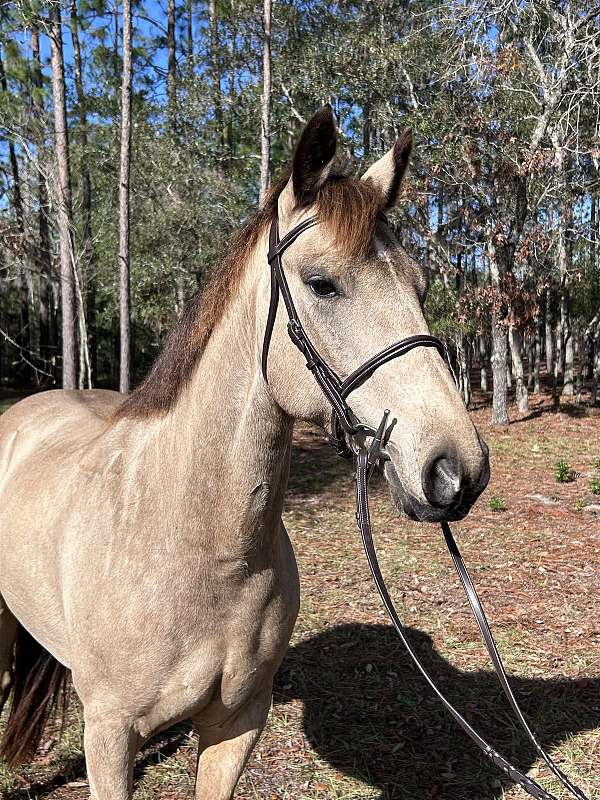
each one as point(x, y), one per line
point(224, 751)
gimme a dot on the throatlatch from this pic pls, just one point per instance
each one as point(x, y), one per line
point(349, 437)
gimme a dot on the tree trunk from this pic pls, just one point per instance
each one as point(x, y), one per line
point(499, 343)
point(498, 359)
point(483, 359)
point(537, 355)
point(516, 351)
point(567, 330)
point(565, 219)
point(124, 280)
point(462, 357)
point(530, 360)
point(366, 114)
point(43, 261)
point(63, 186)
point(596, 375)
point(88, 339)
point(171, 77)
point(215, 70)
point(190, 36)
point(559, 359)
point(23, 338)
point(265, 105)
point(549, 334)
point(580, 354)
point(233, 56)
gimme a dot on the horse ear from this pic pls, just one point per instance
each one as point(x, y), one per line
point(312, 159)
point(387, 173)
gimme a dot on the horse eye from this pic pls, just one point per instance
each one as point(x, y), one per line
point(322, 287)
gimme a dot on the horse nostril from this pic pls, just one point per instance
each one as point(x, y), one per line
point(442, 482)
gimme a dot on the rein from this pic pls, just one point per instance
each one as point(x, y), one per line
point(349, 437)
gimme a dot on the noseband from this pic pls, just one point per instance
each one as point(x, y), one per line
point(349, 436)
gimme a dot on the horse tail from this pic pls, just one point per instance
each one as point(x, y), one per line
point(40, 686)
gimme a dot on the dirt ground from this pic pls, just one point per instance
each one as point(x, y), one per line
point(351, 718)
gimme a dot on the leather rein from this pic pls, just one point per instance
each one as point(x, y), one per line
point(349, 436)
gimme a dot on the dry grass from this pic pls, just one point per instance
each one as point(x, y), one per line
point(352, 719)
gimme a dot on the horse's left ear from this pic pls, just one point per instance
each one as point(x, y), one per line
point(387, 173)
point(314, 155)
point(312, 161)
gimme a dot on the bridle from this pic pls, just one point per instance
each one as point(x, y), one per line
point(349, 437)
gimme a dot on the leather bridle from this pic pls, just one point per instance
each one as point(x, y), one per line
point(349, 437)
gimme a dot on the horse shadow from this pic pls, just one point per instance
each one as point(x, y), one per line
point(370, 715)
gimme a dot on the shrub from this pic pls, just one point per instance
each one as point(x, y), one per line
point(563, 472)
point(497, 504)
point(595, 485)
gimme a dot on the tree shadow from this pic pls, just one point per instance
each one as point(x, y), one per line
point(573, 410)
point(369, 713)
point(315, 465)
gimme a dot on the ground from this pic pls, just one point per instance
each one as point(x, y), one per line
point(351, 719)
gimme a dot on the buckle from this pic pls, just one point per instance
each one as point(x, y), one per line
point(376, 452)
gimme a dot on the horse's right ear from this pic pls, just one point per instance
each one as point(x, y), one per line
point(312, 160)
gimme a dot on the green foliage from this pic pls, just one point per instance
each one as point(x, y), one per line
point(497, 504)
point(595, 486)
point(563, 472)
point(441, 312)
point(580, 504)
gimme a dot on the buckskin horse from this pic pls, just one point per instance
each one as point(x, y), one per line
point(141, 541)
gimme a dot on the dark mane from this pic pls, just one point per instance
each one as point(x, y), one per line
point(347, 207)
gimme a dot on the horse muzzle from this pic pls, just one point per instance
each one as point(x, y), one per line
point(448, 488)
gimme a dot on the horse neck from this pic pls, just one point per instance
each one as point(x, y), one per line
point(222, 452)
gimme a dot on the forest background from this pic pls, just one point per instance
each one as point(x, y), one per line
point(135, 137)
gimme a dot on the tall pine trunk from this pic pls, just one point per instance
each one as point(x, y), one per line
point(516, 350)
point(549, 337)
point(537, 355)
point(215, 68)
point(595, 375)
point(530, 360)
point(499, 345)
point(63, 187)
point(171, 78)
point(483, 362)
point(498, 360)
point(23, 338)
point(565, 219)
point(190, 36)
point(124, 275)
point(88, 338)
point(265, 105)
point(48, 343)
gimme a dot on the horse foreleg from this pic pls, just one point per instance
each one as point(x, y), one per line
point(110, 744)
point(223, 752)
point(8, 634)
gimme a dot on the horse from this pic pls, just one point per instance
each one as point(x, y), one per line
point(142, 550)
